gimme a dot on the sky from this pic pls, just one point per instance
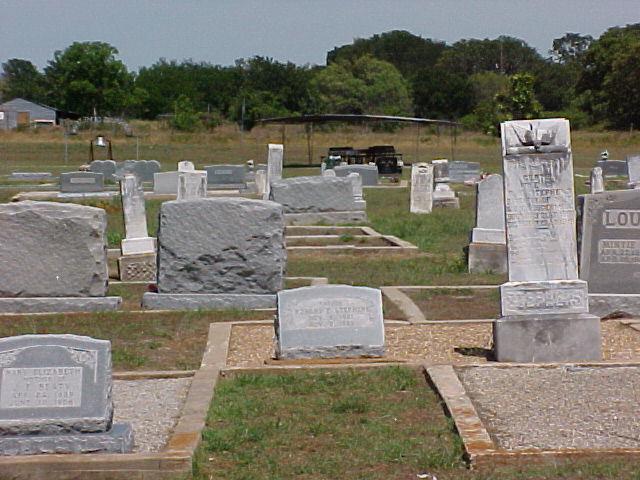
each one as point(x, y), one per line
point(300, 31)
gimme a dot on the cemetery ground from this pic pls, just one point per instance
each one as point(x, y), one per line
point(270, 420)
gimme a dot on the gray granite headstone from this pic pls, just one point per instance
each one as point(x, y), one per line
point(221, 245)
point(81, 182)
point(633, 166)
point(329, 321)
point(368, 173)
point(143, 169)
point(489, 211)
point(31, 176)
point(421, 188)
point(460, 172)
point(226, 174)
point(445, 197)
point(165, 183)
point(51, 249)
point(55, 396)
point(314, 194)
point(192, 185)
point(106, 167)
point(440, 170)
point(610, 250)
point(544, 305)
point(613, 168)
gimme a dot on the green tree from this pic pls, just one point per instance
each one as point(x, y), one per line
point(504, 54)
point(606, 67)
point(22, 79)
point(87, 78)
point(185, 117)
point(365, 86)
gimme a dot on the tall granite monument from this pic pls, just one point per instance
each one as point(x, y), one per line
point(545, 308)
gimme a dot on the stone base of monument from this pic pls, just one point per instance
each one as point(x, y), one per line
point(546, 338)
point(204, 301)
point(59, 304)
point(137, 268)
point(119, 439)
point(311, 218)
point(487, 258)
point(226, 186)
point(603, 304)
point(446, 202)
point(135, 246)
point(346, 351)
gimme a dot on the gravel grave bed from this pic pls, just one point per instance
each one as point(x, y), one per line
point(251, 345)
point(559, 407)
point(153, 407)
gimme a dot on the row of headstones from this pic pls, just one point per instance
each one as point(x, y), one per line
point(425, 196)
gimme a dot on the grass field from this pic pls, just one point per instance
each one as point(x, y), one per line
point(384, 423)
point(44, 150)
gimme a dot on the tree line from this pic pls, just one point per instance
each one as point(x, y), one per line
point(477, 82)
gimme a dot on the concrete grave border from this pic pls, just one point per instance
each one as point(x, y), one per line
point(414, 315)
point(481, 451)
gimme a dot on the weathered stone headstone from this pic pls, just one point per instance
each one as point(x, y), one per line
point(368, 173)
point(53, 258)
point(309, 200)
point(544, 304)
point(460, 172)
point(597, 181)
point(55, 397)
point(165, 183)
point(445, 197)
point(261, 181)
point(421, 188)
point(219, 253)
point(192, 185)
point(329, 173)
point(31, 176)
point(633, 166)
point(105, 167)
point(186, 166)
point(274, 166)
point(143, 169)
point(356, 184)
point(138, 248)
point(81, 182)
point(440, 170)
point(227, 176)
point(329, 321)
point(488, 250)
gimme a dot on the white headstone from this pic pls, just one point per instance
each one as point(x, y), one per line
point(597, 180)
point(261, 181)
point(135, 219)
point(192, 185)
point(186, 166)
point(489, 211)
point(329, 173)
point(274, 166)
point(421, 188)
point(633, 166)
